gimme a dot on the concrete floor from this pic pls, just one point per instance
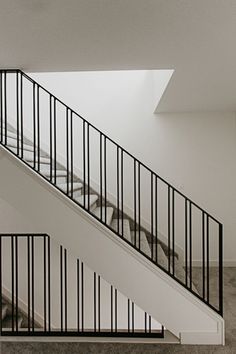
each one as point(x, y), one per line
point(115, 348)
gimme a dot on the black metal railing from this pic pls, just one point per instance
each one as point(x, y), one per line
point(98, 165)
point(61, 295)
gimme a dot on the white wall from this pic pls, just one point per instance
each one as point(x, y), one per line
point(194, 151)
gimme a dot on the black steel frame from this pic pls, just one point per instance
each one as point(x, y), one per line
point(155, 179)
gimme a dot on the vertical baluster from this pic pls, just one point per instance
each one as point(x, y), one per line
point(111, 308)
point(49, 284)
point(38, 127)
point(88, 164)
point(94, 302)
point(55, 141)
point(151, 215)
point(150, 324)
point(34, 125)
point(122, 192)
point(61, 285)
point(17, 112)
point(29, 280)
point(190, 244)
point(118, 188)
point(208, 258)
point(221, 269)
point(71, 153)
point(101, 176)
point(84, 163)
point(78, 295)
point(135, 206)
point(156, 218)
point(67, 151)
point(168, 221)
point(162, 331)
point(173, 231)
point(186, 242)
point(32, 279)
point(139, 208)
point(5, 105)
point(133, 317)
point(82, 296)
point(1, 104)
point(44, 284)
point(21, 115)
point(51, 137)
point(99, 304)
point(145, 322)
point(65, 286)
point(12, 284)
point(1, 277)
point(203, 255)
point(116, 310)
point(105, 177)
point(128, 315)
point(16, 265)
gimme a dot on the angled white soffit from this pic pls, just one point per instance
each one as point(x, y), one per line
point(161, 79)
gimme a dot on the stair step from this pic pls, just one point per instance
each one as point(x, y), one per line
point(45, 170)
point(11, 134)
point(7, 322)
point(110, 210)
point(76, 186)
point(4, 311)
point(180, 274)
point(144, 245)
point(29, 157)
point(77, 194)
point(126, 227)
point(25, 148)
point(13, 142)
point(92, 200)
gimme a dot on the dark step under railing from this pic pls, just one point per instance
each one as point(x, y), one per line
point(152, 206)
point(62, 296)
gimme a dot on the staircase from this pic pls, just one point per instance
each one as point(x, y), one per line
point(137, 219)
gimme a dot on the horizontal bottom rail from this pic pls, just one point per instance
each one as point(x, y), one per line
point(56, 333)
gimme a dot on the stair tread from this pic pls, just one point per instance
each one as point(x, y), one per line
point(76, 186)
point(144, 245)
point(13, 142)
point(110, 211)
point(92, 198)
point(45, 170)
point(11, 134)
point(29, 157)
point(126, 227)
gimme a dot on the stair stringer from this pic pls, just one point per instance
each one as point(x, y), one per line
point(47, 210)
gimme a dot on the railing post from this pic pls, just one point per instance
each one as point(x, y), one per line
point(0, 284)
point(1, 110)
point(221, 269)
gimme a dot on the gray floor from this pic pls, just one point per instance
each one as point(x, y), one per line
point(109, 348)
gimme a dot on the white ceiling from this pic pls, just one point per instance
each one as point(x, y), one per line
point(197, 38)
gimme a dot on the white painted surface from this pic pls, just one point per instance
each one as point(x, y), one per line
point(21, 189)
point(193, 151)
